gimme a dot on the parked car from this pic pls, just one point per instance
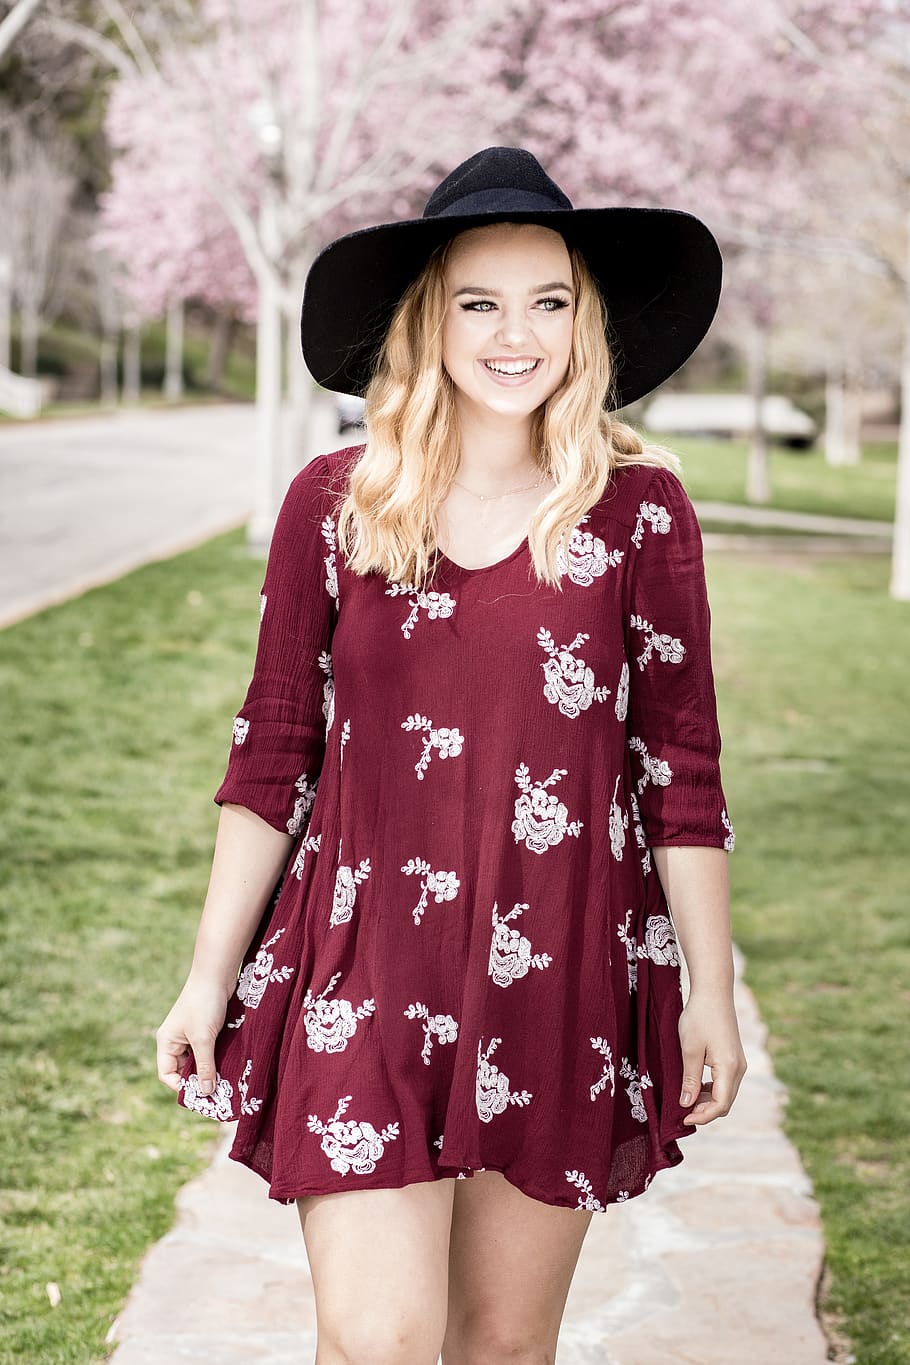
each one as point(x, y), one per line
point(730, 415)
point(350, 413)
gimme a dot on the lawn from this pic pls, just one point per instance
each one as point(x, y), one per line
point(117, 728)
point(801, 481)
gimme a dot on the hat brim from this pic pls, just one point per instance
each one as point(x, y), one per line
point(659, 270)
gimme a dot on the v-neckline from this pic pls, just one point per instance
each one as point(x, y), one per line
point(485, 568)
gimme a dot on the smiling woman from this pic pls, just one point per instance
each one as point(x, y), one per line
point(480, 755)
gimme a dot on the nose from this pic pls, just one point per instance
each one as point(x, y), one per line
point(513, 325)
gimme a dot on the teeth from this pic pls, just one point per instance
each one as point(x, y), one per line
point(511, 367)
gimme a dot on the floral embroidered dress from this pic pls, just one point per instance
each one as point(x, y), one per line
point(469, 963)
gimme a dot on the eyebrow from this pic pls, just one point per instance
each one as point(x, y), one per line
point(495, 293)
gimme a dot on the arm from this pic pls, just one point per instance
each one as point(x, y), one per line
point(675, 741)
point(276, 755)
point(248, 860)
point(696, 884)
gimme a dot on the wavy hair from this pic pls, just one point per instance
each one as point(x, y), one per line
point(386, 520)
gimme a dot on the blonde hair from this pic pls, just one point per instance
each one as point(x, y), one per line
point(412, 449)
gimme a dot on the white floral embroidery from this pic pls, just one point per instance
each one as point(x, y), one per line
point(608, 1074)
point(640, 837)
point(730, 840)
point(569, 681)
point(634, 1089)
point(328, 689)
point(235, 1023)
point(241, 729)
point(510, 953)
point(588, 556)
point(257, 974)
point(586, 1199)
point(303, 803)
point(331, 572)
point(491, 1090)
point(214, 1106)
point(351, 1146)
point(448, 741)
point(619, 823)
point(437, 1142)
point(443, 1026)
point(541, 820)
point(247, 1105)
point(657, 517)
point(656, 770)
point(622, 693)
point(310, 844)
point(631, 946)
point(345, 736)
point(443, 886)
point(262, 601)
point(670, 650)
point(660, 942)
point(622, 1196)
point(330, 1024)
point(345, 894)
point(437, 605)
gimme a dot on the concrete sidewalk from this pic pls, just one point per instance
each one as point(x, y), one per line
point(716, 1264)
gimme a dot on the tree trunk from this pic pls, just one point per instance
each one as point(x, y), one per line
point(900, 563)
point(29, 331)
point(268, 383)
point(173, 376)
point(758, 479)
point(107, 364)
point(223, 328)
point(132, 361)
point(298, 443)
point(6, 309)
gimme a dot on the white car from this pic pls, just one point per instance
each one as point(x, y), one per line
point(729, 415)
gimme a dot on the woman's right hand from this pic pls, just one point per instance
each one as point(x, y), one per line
point(194, 1022)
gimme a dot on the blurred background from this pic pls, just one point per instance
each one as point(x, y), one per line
point(168, 171)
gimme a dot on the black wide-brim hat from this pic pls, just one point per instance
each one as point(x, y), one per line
point(659, 271)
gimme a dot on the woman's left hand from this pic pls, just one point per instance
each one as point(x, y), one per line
point(709, 1035)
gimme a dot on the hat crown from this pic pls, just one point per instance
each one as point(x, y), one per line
point(493, 181)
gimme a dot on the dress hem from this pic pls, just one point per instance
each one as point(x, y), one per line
point(666, 1161)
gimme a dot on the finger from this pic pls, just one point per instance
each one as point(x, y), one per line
point(693, 1070)
point(171, 1056)
point(704, 1110)
point(203, 1051)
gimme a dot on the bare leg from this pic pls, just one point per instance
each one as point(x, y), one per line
point(511, 1262)
point(379, 1261)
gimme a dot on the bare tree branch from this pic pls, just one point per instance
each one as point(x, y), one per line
point(15, 22)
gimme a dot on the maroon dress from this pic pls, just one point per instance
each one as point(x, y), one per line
point(469, 963)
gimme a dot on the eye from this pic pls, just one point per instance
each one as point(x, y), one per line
point(478, 305)
point(556, 304)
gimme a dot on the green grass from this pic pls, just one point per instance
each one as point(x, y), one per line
point(801, 481)
point(118, 711)
point(811, 661)
point(117, 717)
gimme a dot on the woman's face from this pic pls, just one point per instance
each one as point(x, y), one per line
point(507, 333)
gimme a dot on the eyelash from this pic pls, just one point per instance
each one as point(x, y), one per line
point(476, 305)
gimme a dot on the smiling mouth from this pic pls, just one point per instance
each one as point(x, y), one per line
point(512, 367)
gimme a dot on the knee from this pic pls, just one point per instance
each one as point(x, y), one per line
point(368, 1339)
point(498, 1343)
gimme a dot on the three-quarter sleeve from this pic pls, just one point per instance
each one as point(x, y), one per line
point(672, 725)
point(279, 733)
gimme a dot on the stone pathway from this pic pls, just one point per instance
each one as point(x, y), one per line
point(716, 1264)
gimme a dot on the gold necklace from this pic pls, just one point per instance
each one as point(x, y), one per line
point(491, 497)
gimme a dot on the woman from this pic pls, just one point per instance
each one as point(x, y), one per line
point(458, 1028)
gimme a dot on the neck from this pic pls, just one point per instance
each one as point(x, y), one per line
point(495, 448)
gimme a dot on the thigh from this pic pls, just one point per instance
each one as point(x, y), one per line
point(379, 1262)
point(511, 1261)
